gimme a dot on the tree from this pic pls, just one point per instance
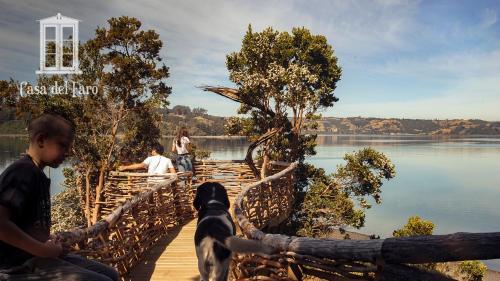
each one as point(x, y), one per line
point(415, 226)
point(124, 64)
point(8, 94)
point(181, 110)
point(472, 270)
point(363, 174)
point(66, 208)
point(467, 270)
point(278, 73)
point(329, 199)
point(283, 81)
point(418, 226)
point(198, 111)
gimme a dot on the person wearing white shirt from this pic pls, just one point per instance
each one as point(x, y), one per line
point(156, 163)
point(181, 145)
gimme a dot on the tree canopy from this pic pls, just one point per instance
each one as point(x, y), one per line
point(283, 81)
point(123, 62)
point(277, 74)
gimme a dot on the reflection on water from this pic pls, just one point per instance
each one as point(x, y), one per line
point(452, 181)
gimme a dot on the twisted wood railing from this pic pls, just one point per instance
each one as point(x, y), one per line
point(267, 203)
point(138, 210)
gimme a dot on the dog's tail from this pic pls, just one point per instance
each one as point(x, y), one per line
point(239, 245)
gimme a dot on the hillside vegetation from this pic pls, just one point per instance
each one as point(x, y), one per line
point(361, 125)
point(200, 123)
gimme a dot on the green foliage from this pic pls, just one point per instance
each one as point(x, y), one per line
point(328, 201)
point(124, 63)
point(198, 111)
point(140, 131)
point(200, 154)
point(415, 226)
point(467, 270)
point(13, 127)
point(66, 206)
point(472, 270)
point(181, 110)
point(363, 173)
point(281, 72)
point(418, 226)
point(8, 95)
point(326, 206)
point(197, 121)
point(297, 70)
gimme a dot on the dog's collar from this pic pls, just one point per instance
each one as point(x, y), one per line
point(214, 205)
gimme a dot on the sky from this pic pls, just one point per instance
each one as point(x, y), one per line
point(436, 59)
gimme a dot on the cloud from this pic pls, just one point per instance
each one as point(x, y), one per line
point(488, 18)
point(474, 98)
point(382, 38)
point(204, 29)
point(450, 66)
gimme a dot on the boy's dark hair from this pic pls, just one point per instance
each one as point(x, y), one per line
point(49, 125)
point(158, 148)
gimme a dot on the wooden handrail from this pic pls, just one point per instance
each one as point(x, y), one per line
point(140, 209)
point(119, 240)
point(132, 174)
point(77, 235)
point(304, 250)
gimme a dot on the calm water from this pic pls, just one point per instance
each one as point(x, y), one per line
point(454, 182)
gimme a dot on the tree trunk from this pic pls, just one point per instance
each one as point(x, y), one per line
point(265, 161)
point(105, 165)
point(249, 159)
point(98, 191)
point(87, 197)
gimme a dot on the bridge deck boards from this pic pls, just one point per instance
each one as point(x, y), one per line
point(173, 258)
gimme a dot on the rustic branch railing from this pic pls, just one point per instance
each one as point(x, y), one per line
point(233, 174)
point(333, 259)
point(138, 210)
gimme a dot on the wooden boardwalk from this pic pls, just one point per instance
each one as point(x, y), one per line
point(172, 258)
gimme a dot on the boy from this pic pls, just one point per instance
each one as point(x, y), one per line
point(26, 252)
point(156, 163)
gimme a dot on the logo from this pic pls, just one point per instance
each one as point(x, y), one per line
point(59, 45)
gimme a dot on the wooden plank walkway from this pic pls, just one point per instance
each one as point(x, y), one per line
point(172, 258)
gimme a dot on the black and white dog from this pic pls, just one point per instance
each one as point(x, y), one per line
point(215, 233)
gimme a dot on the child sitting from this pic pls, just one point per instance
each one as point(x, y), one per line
point(26, 252)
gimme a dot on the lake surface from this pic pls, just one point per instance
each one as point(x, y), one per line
point(452, 181)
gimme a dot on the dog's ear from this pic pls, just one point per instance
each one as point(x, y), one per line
point(197, 198)
point(225, 198)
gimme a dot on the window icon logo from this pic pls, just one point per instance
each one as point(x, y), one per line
point(59, 45)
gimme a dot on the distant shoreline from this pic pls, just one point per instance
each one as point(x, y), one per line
point(13, 135)
point(408, 135)
point(319, 135)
